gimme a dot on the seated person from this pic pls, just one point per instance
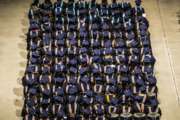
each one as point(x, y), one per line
point(47, 38)
point(106, 34)
point(58, 111)
point(118, 43)
point(111, 79)
point(46, 69)
point(72, 50)
point(121, 59)
point(104, 11)
point(86, 111)
point(59, 24)
point(60, 51)
point(86, 100)
point(35, 33)
point(85, 42)
point(112, 111)
point(30, 80)
point(95, 43)
point(83, 69)
point(46, 90)
point(72, 61)
point(34, 24)
point(44, 112)
point(154, 113)
point(99, 109)
point(145, 41)
point(30, 112)
point(60, 67)
point(111, 89)
point(148, 69)
point(86, 79)
point(72, 79)
point(122, 68)
point(32, 68)
point(148, 59)
point(84, 59)
point(71, 109)
point(46, 27)
point(92, 7)
point(96, 68)
point(134, 51)
point(99, 99)
point(85, 88)
point(151, 80)
point(82, 10)
point(126, 112)
point(46, 60)
point(134, 59)
point(109, 69)
point(71, 89)
point(59, 8)
point(46, 7)
point(58, 90)
point(35, 44)
point(45, 79)
point(58, 79)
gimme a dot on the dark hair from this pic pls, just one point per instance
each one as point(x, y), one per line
point(113, 1)
point(35, 2)
point(47, 1)
point(104, 2)
point(71, 1)
point(93, 1)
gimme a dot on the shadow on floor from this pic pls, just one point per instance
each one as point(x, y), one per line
point(19, 100)
point(178, 16)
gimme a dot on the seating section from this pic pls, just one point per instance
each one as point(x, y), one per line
point(89, 61)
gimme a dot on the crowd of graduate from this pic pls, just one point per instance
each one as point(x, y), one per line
point(89, 61)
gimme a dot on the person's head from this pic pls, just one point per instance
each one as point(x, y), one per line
point(35, 2)
point(138, 2)
point(71, 1)
point(93, 1)
point(113, 1)
point(104, 2)
point(47, 1)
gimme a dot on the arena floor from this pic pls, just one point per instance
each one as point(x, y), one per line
point(164, 18)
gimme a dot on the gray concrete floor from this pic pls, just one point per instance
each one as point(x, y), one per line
point(164, 18)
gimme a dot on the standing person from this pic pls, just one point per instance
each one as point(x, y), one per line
point(138, 10)
point(60, 3)
point(139, 106)
point(35, 2)
point(125, 5)
point(104, 10)
point(46, 5)
point(92, 7)
point(34, 12)
point(59, 8)
point(115, 11)
point(104, 2)
point(70, 1)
